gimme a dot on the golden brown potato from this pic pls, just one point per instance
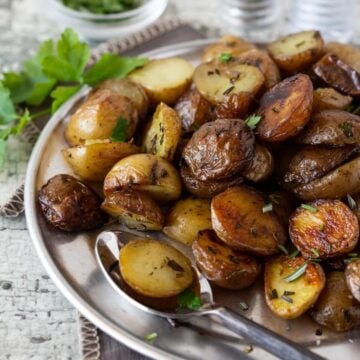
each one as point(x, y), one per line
point(193, 110)
point(234, 106)
point(334, 185)
point(338, 75)
point(219, 149)
point(285, 109)
point(97, 117)
point(239, 219)
point(164, 80)
point(312, 162)
point(324, 228)
point(297, 51)
point(223, 266)
point(329, 98)
point(131, 90)
point(155, 269)
point(290, 299)
point(336, 308)
point(206, 189)
point(186, 218)
point(332, 127)
point(349, 54)
point(228, 44)
point(261, 166)
point(163, 134)
point(147, 173)
point(93, 160)
point(135, 209)
point(352, 275)
point(70, 205)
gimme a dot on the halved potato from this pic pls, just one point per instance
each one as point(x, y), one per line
point(352, 275)
point(93, 160)
point(186, 218)
point(286, 108)
point(324, 228)
point(97, 117)
point(135, 209)
point(290, 299)
point(239, 220)
point(164, 80)
point(297, 51)
point(223, 266)
point(145, 172)
point(329, 98)
point(155, 269)
point(163, 134)
point(349, 54)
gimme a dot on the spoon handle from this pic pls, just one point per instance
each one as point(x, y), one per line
point(262, 337)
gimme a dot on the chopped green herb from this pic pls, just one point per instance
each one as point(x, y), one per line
point(315, 252)
point(274, 294)
point(267, 208)
point(283, 249)
point(120, 131)
point(287, 299)
point(347, 129)
point(243, 305)
point(275, 198)
point(229, 90)
point(353, 254)
point(294, 254)
point(300, 271)
point(252, 121)
point(351, 202)
point(248, 349)
point(151, 337)
point(188, 299)
point(225, 57)
point(287, 293)
point(351, 259)
point(102, 7)
point(309, 207)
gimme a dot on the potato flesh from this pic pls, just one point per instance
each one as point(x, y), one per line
point(187, 218)
point(155, 269)
point(352, 274)
point(349, 54)
point(302, 292)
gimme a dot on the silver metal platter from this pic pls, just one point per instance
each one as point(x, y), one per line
point(70, 261)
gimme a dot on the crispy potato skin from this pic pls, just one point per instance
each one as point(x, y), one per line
point(349, 54)
point(155, 269)
point(235, 106)
point(70, 205)
point(297, 51)
point(135, 209)
point(239, 221)
point(186, 218)
point(334, 185)
point(312, 162)
point(333, 128)
point(331, 230)
point(336, 308)
point(329, 98)
point(352, 275)
point(93, 161)
point(285, 109)
point(97, 117)
point(261, 166)
point(193, 110)
point(306, 289)
point(219, 149)
point(222, 265)
point(206, 189)
point(338, 75)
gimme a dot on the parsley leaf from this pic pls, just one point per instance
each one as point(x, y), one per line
point(309, 208)
point(61, 94)
point(188, 299)
point(19, 85)
point(252, 121)
point(120, 131)
point(225, 57)
point(7, 108)
point(2, 151)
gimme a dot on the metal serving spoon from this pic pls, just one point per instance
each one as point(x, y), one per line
point(107, 248)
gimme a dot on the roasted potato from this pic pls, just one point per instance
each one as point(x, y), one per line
point(285, 109)
point(219, 149)
point(324, 228)
point(147, 173)
point(312, 162)
point(338, 75)
point(70, 205)
point(155, 269)
point(332, 127)
point(261, 166)
point(97, 117)
point(289, 299)
point(163, 134)
point(283, 204)
point(131, 90)
point(336, 308)
point(93, 160)
point(135, 209)
point(206, 189)
point(186, 218)
point(349, 54)
point(193, 110)
point(223, 266)
point(164, 80)
point(329, 98)
point(234, 106)
point(352, 275)
point(239, 220)
point(297, 51)
point(334, 185)
point(228, 44)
